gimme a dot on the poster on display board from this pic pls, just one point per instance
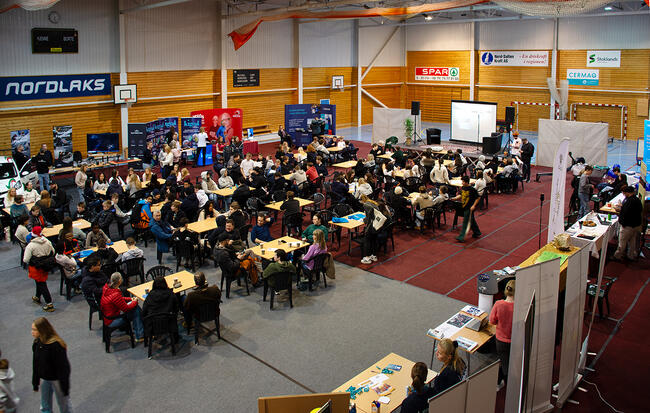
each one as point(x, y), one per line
point(137, 137)
point(63, 155)
point(20, 138)
point(167, 125)
point(189, 128)
point(646, 142)
point(226, 122)
point(298, 120)
point(158, 136)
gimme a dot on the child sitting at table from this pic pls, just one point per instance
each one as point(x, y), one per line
point(67, 246)
point(94, 235)
point(418, 393)
point(132, 251)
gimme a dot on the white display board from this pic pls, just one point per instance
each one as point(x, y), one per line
point(588, 140)
point(471, 121)
point(541, 280)
point(387, 122)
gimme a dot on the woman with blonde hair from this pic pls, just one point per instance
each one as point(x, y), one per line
point(185, 175)
point(10, 197)
point(418, 393)
point(501, 315)
point(146, 175)
point(453, 368)
point(134, 184)
point(80, 180)
point(166, 160)
point(51, 368)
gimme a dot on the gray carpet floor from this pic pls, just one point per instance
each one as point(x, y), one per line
point(328, 337)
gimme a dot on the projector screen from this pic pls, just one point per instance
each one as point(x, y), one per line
point(471, 121)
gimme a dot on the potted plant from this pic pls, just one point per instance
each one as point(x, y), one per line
point(408, 130)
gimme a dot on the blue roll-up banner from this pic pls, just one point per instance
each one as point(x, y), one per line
point(301, 116)
point(54, 87)
point(137, 139)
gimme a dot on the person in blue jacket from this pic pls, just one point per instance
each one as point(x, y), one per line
point(261, 232)
point(162, 232)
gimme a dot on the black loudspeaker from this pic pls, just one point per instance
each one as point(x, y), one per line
point(490, 145)
point(510, 114)
point(433, 136)
point(415, 108)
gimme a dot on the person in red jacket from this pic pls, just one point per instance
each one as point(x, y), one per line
point(501, 315)
point(113, 304)
point(312, 173)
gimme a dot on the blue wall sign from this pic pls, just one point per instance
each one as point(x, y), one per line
point(54, 87)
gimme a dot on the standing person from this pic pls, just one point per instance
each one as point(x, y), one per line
point(630, 219)
point(38, 248)
point(43, 160)
point(201, 143)
point(453, 367)
point(515, 145)
point(51, 368)
point(147, 156)
point(19, 157)
point(8, 397)
point(418, 393)
point(80, 181)
point(527, 151)
point(166, 161)
point(284, 136)
point(584, 190)
point(169, 136)
point(469, 200)
point(501, 315)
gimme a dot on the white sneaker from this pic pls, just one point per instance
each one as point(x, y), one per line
point(501, 385)
point(366, 260)
point(374, 258)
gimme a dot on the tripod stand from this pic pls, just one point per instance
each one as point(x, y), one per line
point(416, 136)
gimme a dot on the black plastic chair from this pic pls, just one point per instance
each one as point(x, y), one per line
point(157, 271)
point(185, 250)
point(428, 215)
point(341, 210)
point(291, 222)
point(107, 331)
point(318, 270)
point(132, 268)
point(254, 205)
point(229, 278)
point(389, 236)
point(67, 282)
point(93, 308)
point(243, 233)
point(604, 293)
point(278, 196)
point(326, 216)
point(316, 207)
point(207, 312)
point(283, 281)
point(160, 325)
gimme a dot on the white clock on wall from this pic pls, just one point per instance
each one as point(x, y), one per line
point(54, 17)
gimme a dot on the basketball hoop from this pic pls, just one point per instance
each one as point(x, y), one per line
point(128, 101)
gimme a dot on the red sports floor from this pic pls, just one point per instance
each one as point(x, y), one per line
point(510, 226)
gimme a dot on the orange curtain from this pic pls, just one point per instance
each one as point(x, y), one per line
point(243, 34)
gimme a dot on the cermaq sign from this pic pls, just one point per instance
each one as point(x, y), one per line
point(443, 74)
point(54, 87)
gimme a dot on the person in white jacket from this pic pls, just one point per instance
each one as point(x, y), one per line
point(39, 246)
point(166, 159)
point(30, 195)
point(80, 181)
point(8, 398)
point(439, 174)
point(208, 185)
point(201, 144)
point(363, 188)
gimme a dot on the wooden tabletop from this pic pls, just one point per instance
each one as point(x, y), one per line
point(103, 154)
point(334, 149)
point(551, 248)
point(351, 224)
point(346, 164)
point(29, 208)
point(280, 243)
point(101, 191)
point(399, 380)
point(157, 206)
point(223, 191)
point(277, 205)
point(480, 337)
point(607, 208)
point(185, 277)
point(448, 162)
point(203, 226)
point(54, 231)
point(125, 161)
point(458, 182)
point(386, 156)
point(160, 181)
point(287, 176)
point(119, 247)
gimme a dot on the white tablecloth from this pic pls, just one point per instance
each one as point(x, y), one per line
point(600, 232)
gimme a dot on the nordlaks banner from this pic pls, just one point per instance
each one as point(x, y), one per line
point(54, 87)
point(556, 210)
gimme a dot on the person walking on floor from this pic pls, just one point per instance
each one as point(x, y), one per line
point(630, 219)
point(584, 190)
point(501, 316)
point(469, 200)
point(35, 255)
point(51, 368)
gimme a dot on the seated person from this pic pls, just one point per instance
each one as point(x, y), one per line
point(208, 211)
point(93, 279)
point(453, 368)
point(106, 216)
point(242, 192)
point(418, 393)
point(21, 231)
point(18, 208)
point(262, 231)
point(339, 189)
point(200, 296)
point(397, 199)
point(317, 224)
point(190, 204)
point(106, 254)
point(176, 215)
point(480, 183)
point(94, 235)
point(113, 304)
point(318, 247)
point(64, 250)
point(162, 233)
point(280, 264)
point(132, 251)
point(423, 201)
point(30, 195)
point(160, 300)
point(36, 219)
point(82, 212)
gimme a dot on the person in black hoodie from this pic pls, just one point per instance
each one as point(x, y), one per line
point(43, 160)
point(176, 215)
point(202, 294)
point(114, 187)
point(160, 300)
point(107, 255)
point(93, 279)
point(190, 204)
point(60, 199)
point(242, 193)
point(50, 368)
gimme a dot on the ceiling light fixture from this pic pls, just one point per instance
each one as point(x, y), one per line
point(608, 8)
point(428, 17)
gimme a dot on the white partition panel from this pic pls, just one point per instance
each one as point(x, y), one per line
point(387, 122)
point(588, 140)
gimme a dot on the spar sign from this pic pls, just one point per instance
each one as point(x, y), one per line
point(441, 74)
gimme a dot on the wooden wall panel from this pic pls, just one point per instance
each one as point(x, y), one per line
point(175, 82)
point(345, 101)
point(528, 115)
point(610, 115)
point(390, 95)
